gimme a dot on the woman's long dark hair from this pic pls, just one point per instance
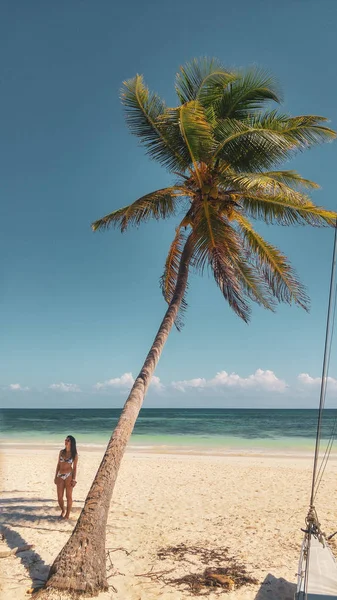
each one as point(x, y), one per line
point(73, 450)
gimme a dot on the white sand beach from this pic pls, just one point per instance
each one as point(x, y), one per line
point(252, 505)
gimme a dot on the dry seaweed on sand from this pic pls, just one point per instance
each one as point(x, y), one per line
point(204, 555)
point(227, 577)
point(211, 580)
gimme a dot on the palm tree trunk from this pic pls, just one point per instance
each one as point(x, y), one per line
point(81, 564)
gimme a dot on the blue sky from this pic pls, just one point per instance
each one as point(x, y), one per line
point(79, 309)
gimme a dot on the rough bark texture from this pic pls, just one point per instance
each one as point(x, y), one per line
point(81, 565)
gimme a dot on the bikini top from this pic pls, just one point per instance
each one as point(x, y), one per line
point(67, 460)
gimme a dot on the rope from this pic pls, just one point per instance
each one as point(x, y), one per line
point(333, 431)
point(312, 524)
point(325, 458)
point(327, 352)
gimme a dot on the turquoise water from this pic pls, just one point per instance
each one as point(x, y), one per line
point(246, 429)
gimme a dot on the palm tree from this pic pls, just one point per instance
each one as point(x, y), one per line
point(224, 151)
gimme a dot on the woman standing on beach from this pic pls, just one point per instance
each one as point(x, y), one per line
point(65, 476)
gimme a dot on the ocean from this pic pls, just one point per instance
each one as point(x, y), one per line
point(222, 430)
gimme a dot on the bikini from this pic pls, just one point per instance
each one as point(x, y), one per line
point(70, 461)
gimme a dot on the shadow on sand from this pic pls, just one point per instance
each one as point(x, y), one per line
point(37, 514)
point(273, 588)
point(35, 511)
point(32, 561)
point(21, 500)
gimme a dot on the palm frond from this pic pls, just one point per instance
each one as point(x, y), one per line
point(291, 178)
point(196, 133)
point(266, 196)
point(143, 111)
point(229, 283)
point(203, 79)
point(253, 284)
point(303, 131)
point(287, 210)
point(273, 266)
point(168, 280)
point(260, 141)
point(218, 245)
point(248, 93)
point(210, 230)
point(248, 148)
point(263, 183)
point(215, 245)
point(160, 204)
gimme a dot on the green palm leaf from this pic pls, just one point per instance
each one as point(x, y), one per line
point(287, 211)
point(303, 131)
point(203, 79)
point(196, 133)
point(254, 286)
point(248, 93)
point(161, 204)
point(291, 178)
point(229, 283)
point(215, 245)
point(267, 183)
point(168, 281)
point(273, 266)
point(143, 112)
point(248, 148)
point(265, 196)
point(261, 183)
point(263, 140)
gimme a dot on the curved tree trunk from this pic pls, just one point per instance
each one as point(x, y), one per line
point(81, 564)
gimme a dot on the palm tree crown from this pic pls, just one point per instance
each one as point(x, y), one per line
point(224, 148)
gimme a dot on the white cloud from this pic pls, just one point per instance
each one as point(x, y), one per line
point(126, 381)
point(266, 380)
point(307, 380)
point(189, 383)
point(156, 384)
point(16, 387)
point(65, 387)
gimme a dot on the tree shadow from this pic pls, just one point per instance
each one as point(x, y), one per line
point(31, 560)
point(24, 500)
point(15, 492)
point(30, 513)
point(276, 588)
point(33, 513)
point(19, 511)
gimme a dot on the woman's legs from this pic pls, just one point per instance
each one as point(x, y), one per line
point(69, 495)
point(60, 493)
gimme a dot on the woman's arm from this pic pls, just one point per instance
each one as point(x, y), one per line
point(74, 471)
point(57, 467)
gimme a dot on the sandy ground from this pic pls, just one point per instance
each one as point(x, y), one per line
point(253, 506)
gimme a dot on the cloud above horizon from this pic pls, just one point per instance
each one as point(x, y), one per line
point(263, 380)
point(65, 387)
point(308, 381)
point(125, 382)
point(259, 381)
point(16, 387)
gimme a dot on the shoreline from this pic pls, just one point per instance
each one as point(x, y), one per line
point(17, 447)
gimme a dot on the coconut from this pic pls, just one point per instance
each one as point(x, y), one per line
point(214, 193)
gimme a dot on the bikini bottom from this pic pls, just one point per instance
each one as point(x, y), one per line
point(64, 476)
